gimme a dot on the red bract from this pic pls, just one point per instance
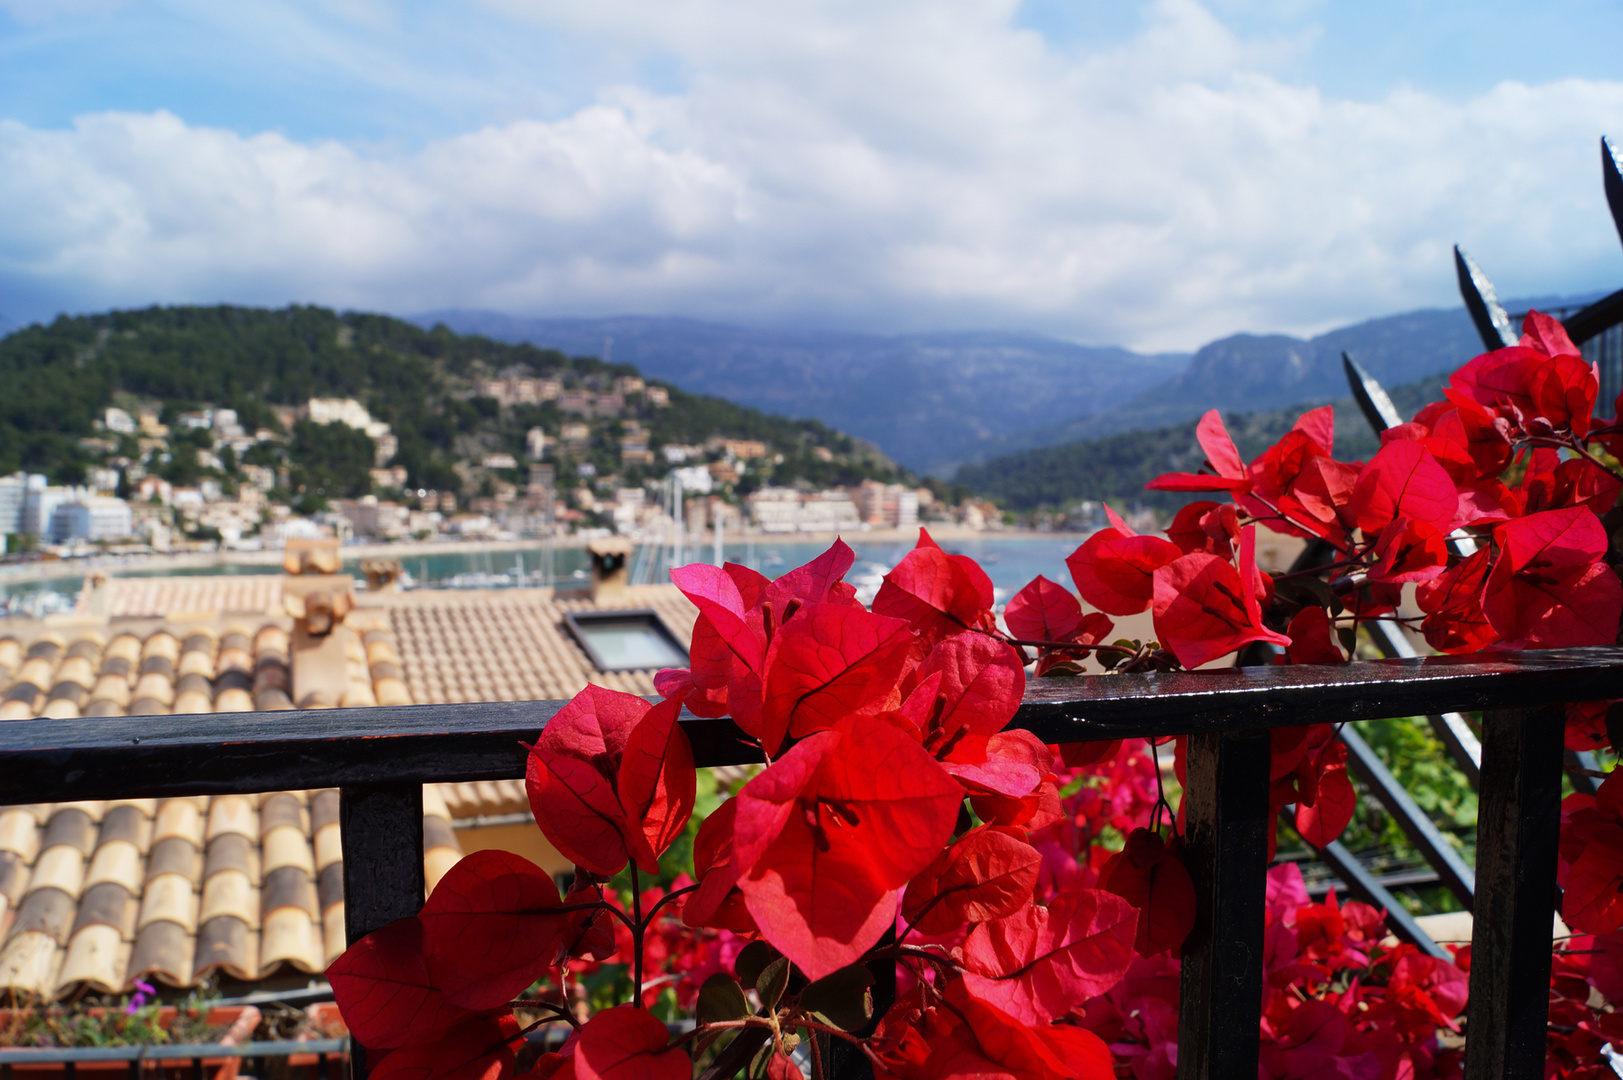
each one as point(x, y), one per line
point(1221, 455)
point(491, 928)
point(1549, 588)
point(1408, 550)
point(1043, 611)
point(626, 1043)
point(1114, 570)
point(1312, 638)
point(831, 830)
point(657, 782)
point(477, 1048)
point(830, 662)
point(1149, 874)
point(1204, 608)
point(718, 902)
point(1039, 963)
point(1403, 480)
point(1455, 622)
point(1324, 817)
point(1190, 532)
point(986, 875)
point(573, 775)
point(970, 687)
point(384, 989)
point(937, 593)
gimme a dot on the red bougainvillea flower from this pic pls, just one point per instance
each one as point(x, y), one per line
point(1221, 456)
point(987, 874)
point(1549, 588)
point(1114, 568)
point(627, 1043)
point(1039, 963)
point(1323, 816)
point(968, 689)
point(1540, 385)
point(1408, 550)
point(830, 832)
point(1149, 874)
point(385, 991)
point(1043, 611)
point(1553, 484)
point(477, 1048)
point(1455, 622)
point(1403, 480)
point(1312, 638)
point(1191, 531)
point(604, 792)
point(937, 593)
point(829, 662)
point(1205, 608)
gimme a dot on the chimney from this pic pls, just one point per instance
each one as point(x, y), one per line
point(611, 578)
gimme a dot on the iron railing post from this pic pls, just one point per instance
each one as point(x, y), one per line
point(1518, 833)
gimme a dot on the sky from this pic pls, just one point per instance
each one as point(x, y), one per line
point(1154, 174)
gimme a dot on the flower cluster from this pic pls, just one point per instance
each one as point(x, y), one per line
point(1032, 899)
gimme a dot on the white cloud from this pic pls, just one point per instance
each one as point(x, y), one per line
point(898, 166)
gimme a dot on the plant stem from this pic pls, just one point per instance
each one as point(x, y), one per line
point(637, 928)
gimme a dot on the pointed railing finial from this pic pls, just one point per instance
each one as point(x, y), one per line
point(1377, 407)
point(1483, 304)
point(1612, 177)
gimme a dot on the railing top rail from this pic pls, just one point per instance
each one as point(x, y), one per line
point(159, 1052)
point(49, 760)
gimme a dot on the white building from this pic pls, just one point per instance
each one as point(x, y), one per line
point(91, 517)
point(695, 479)
point(119, 421)
point(40, 501)
point(783, 510)
point(13, 494)
point(535, 444)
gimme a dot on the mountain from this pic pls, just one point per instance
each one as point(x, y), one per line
point(1118, 466)
point(930, 401)
point(1260, 372)
point(429, 386)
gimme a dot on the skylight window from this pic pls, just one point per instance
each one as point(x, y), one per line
point(626, 640)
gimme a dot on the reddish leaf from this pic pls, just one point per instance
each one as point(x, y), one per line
point(1403, 480)
point(986, 875)
point(831, 830)
point(1114, 572)
point(476, 1048)
point(939, 594)
point(490, 929)
point(1334, 803)
point(703, 687)
point(626, 1043)
point(1039, 963)
point(718, 902)
point(1043, 611)
point(657, 781)
point(714, 591)
point(1150, 875)
point(384, 990)
point(1037, 810)
point(829, 662)
point(1082, 754)
point(1549, 588)
point(1205, 608)
point(1311, 639)
point(570, 778)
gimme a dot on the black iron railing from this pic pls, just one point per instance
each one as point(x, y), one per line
point(379, 757)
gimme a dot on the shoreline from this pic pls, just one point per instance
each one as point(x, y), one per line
point(181, 563)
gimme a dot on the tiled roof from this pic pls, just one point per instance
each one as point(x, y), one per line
point(97, 895)
point(165, 597)
point(510, 644)
point(94, 896)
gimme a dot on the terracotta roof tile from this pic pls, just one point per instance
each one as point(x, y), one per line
point(96, 895)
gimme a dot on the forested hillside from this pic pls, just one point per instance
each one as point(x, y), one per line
point(1118, 466)
point(58, 379)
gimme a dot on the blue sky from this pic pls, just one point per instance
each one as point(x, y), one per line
point(1154, 174)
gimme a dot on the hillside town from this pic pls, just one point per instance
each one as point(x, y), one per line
point(242, 497)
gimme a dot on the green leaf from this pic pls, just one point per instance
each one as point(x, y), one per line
point(721, 998)
point(773, 981)
point(752, 960)
point(843, 998)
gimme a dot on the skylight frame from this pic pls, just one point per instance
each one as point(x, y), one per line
point(581, 623)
